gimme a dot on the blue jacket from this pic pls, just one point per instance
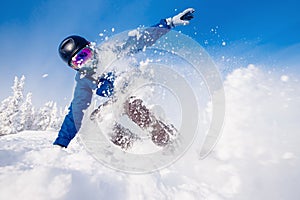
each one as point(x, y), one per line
point(85, 86)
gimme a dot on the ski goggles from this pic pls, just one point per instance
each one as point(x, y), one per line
point(82, 57)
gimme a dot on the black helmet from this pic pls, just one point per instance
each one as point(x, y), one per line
point(70, 46)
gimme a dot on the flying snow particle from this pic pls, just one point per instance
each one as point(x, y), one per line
point(45, 75)
point(146, 62)
point(223, 43)
point(284, 78)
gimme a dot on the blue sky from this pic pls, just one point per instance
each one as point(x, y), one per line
point(260, 32)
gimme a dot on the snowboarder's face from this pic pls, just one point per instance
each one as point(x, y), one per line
point(82, 57)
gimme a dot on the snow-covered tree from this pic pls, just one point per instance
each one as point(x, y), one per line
point(27, 113)
point(54, 119)
point(10, 108)
point(43, 117)
point(18, 114)
point(48, 117)
point(61, 115)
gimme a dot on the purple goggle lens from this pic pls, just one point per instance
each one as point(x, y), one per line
point(82, 57)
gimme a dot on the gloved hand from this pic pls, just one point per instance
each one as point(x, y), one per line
point(182, 18)
point(106, 85)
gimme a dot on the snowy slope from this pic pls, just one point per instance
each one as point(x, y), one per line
point(257, 156)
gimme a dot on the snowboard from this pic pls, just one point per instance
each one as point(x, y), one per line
point(148, 125)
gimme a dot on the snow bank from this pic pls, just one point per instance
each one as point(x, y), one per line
point(257, 156)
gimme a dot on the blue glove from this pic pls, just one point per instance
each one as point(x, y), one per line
point(106, 85)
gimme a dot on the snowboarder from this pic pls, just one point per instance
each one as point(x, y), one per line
point(80, 55)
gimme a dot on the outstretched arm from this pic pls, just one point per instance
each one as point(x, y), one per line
point(72, 122)
point(140, 39)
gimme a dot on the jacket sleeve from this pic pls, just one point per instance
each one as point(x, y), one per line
point(139, 39)
point(81, 100)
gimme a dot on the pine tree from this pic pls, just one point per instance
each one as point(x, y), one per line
point(43, 117)
point(27, 113)
point(54, 118)
point(17, 114)
point(5, 113)
point(10, 109)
